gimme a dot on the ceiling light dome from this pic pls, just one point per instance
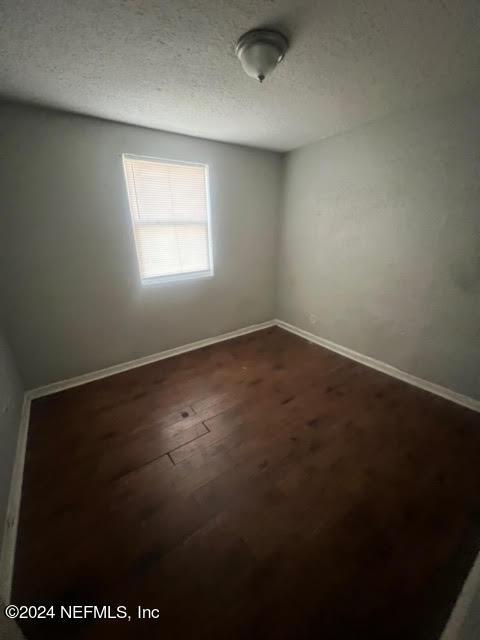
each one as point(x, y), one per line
point(260, 51)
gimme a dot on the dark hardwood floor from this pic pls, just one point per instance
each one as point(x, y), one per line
point(261, 487)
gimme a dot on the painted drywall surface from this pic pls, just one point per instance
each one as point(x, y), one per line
point(11, 400)
point(380, 242)
point(9, 630)
point(470, 629)
point(74, 302)
point(464, 621)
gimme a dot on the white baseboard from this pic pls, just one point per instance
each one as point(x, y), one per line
point(40, 392)
point(9, 540)
point(448, 394)
point(464, 621)
point(444, 392)
point(7, 554)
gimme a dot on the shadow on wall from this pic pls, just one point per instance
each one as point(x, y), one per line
point(11, 401)
point(380, 242)
point(8, 628)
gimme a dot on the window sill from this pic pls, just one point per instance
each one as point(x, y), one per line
point(199, 275)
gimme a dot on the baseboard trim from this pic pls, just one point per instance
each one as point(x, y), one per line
point(444, 392)
point(55, 387)
point(436, 389)
point(7, 554)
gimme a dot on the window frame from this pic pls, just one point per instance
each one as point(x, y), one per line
point(175, 277)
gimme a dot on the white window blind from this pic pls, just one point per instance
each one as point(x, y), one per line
point(170, 213)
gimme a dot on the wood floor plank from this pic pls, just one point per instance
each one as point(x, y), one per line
point(259, 487)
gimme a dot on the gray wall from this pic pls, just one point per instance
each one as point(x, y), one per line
point(11, 399)
point(73, 300)
point(380, 241)
point(464, 621)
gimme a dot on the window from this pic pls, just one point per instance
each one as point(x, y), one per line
point(170, 212)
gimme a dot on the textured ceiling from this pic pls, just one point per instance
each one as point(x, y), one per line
point(170, 65)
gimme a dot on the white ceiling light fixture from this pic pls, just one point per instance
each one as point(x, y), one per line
point(260, 51)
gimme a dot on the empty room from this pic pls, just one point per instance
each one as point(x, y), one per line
point(240, 320)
